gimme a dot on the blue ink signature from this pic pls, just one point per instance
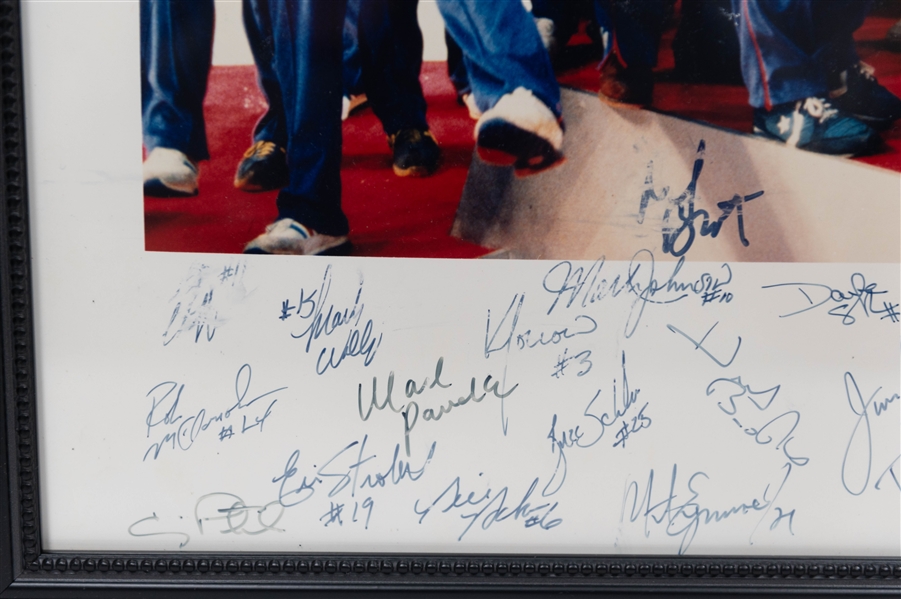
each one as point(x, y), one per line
point(861, 460)
point(335, 512)
point(505, 336)
point(686, 214)
point(490, 507)
point(344, 471)
point(564, 359)
point(322, 322)
point(180, 432)
point(578, 438)
point(700, 345)
point(860, 299)
point(571, 286)
point(761, 400)
point(683, 520)
point(195, 312)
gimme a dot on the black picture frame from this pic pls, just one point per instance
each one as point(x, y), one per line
point(27, 570)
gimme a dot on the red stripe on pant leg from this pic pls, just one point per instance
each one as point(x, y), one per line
point(766, 88)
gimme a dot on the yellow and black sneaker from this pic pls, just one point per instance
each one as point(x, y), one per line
point(264, 167)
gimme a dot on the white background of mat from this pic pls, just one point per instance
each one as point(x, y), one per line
point(103, 305)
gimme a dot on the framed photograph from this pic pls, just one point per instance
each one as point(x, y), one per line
point(393, 297)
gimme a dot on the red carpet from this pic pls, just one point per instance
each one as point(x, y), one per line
point(404, 217)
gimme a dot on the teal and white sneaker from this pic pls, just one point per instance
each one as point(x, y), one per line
point(287, 236)
point(169, 173)
point(813, 124)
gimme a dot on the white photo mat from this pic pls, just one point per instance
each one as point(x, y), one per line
point(701, 410)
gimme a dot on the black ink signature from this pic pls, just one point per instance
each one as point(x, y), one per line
point(410, 411)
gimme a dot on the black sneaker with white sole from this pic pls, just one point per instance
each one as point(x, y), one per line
point(416, 153)
point(861, 95)
point(264, 167)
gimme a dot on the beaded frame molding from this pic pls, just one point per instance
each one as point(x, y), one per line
point(27, 570)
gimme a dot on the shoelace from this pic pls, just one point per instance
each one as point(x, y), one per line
point(818, 108)
point(868, 71)
point(865, 71)
point(260, 149)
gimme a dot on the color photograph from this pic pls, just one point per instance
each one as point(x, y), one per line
point(548, 129)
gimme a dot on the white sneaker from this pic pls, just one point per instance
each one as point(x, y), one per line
point(520, 131)
point(287, 236)
point(169, 173)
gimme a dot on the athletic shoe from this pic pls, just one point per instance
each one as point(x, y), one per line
point(351, 103)
point(264, 167)
point(860, 95)
point(169, 173)
point(416, 154)
point(288, 236)
point(629, 86)
point(520, 131)
point(814, 125)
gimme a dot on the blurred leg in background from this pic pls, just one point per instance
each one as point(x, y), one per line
point(512, 81)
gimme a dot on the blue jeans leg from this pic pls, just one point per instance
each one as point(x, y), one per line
point(176, 53)
point(456, 67)
point(352, 63)
point(501, 49)
point(258, 26)
point(789, 48)
point(391, 55)
point(307, 42)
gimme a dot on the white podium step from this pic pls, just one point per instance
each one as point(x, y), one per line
point(640, 180)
